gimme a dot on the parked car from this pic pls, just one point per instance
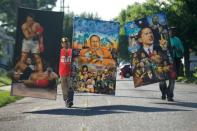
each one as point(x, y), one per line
point(126, 71)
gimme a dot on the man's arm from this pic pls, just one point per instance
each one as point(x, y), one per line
point(37, 28)
point(107, 54)
point(180, 44)
point(55, 76)
point(163, 44)
point(83, 52)
point(26, 33)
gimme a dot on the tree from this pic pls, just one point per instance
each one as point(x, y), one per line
point(183, 15)
point(180, 13)
point(89, 15)
point(68, 25)
point(68, 22)
point(133, 12)
point(8, 11)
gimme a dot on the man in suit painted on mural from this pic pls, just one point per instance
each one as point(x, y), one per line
point(151, 56)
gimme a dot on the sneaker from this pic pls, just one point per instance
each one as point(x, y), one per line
point(170, 99)
point(163, 97)
point(69, 104)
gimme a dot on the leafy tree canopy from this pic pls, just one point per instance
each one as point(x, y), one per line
point(180, 13)
point(8, 11)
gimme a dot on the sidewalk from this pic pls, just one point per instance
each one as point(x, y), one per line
point(5, 88)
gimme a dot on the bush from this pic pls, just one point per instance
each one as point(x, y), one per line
point(181, 78)
point(191, 79)
point(195, 76)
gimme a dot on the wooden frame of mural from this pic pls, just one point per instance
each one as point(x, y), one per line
point(149, 48)
point(95, 46)
point(35, 60)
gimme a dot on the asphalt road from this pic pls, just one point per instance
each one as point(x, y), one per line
point(131, 109)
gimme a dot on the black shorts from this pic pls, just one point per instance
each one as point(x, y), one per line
point(26, 73)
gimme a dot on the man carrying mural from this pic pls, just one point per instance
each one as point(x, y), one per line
point(32, 32)
point(96, 54)
point(65, 71)
point(177, 51)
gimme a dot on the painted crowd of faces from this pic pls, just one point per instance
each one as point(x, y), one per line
point(34, 69)
point(94, 79)
point(95, 46)
point(155, 66)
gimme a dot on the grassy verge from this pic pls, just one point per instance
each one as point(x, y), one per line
point(5, 80)
point(5, 98)
point(1, 84)
point(187, 80)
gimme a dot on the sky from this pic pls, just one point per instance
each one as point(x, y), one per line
point(106, 9)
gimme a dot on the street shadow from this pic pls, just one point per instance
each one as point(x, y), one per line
point(102, 110)
point(178, 103)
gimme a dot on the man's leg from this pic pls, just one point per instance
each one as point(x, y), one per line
point(29, 83)
point(38, 61)
point(70, 92)
point(163, 87)
point(177, 65)
point(170, 90)
point(24, 56)
point(64, 88)
point(20, 67)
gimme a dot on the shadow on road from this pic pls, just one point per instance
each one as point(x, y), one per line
point(183, 104)
point(102, 110)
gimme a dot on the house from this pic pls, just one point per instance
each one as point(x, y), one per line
point(6, 49)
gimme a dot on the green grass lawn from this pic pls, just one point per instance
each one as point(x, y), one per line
point(4, 79)
point(5, 98)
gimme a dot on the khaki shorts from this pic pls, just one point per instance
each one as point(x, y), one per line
point(30, 45)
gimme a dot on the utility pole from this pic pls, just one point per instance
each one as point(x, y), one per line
point(62, 6)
